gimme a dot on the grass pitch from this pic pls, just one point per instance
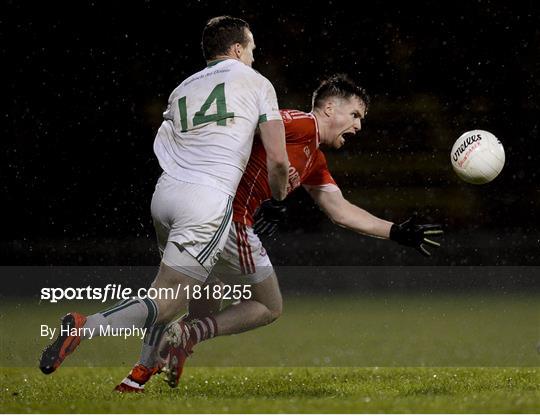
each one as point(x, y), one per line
point(416, 354)
point(269, 390)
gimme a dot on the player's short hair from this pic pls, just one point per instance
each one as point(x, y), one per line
point(338, 85)
point(220, 33)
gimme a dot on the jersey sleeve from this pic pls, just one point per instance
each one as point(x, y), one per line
point(319, 177)
point(268, 105)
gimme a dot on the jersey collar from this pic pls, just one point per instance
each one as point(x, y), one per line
point(215, 62)
point(317, 138)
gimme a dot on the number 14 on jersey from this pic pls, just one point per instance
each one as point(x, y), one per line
point(200, 117)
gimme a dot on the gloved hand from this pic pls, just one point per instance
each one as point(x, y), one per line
point(412, 234)
point(268, 216)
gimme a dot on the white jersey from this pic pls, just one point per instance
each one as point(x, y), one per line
point(207, 132)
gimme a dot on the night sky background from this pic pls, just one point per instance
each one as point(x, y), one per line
point(86, 83)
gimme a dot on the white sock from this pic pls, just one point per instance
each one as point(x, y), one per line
point(150, 344)
point(139, 313)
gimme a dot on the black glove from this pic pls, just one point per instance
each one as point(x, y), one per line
point(411, 234)
point(269, 215)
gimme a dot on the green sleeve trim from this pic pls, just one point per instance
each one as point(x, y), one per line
point(262, 119)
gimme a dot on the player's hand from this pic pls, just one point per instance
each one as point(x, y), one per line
point(269, 215)
point(412, 234)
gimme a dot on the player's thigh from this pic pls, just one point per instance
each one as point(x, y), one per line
point(196, 220)
point(243, 260)
point(170, 290)
point(268, 293)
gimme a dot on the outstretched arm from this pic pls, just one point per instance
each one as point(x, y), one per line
point(348, 215)
point(345, 214)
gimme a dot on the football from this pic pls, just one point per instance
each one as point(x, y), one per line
point(477, 157)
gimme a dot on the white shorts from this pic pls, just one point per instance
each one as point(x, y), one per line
point(243, 259)
point(192, 224)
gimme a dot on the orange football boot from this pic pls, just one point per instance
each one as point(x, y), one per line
point(65, 343)
point(135, 381)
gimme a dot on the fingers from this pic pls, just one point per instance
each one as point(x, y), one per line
point(416, 235)
point(431, 242)
point(261, 228)
point(258, 226)
point(432, 228)
point(265, 228)
point(258, 223)
point(423, 250)
point(271, 230)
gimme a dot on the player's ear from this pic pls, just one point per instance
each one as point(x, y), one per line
point(237, 49)
point(329, 107)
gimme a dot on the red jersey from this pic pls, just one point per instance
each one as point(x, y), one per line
point(307, 166)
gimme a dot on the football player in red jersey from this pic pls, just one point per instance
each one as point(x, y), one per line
point(339, 106)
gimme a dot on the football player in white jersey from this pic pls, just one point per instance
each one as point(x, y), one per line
point(203, 146)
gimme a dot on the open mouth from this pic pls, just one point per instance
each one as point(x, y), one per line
point(345, 136)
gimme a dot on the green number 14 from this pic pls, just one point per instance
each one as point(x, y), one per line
point(200, 117)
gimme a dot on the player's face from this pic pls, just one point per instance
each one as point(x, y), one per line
point(246, 54)
point(345, 119)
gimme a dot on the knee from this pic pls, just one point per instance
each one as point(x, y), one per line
point(275, 312)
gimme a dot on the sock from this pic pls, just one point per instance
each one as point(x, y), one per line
point(202, 329)
point(148, 356)
point(139, 313)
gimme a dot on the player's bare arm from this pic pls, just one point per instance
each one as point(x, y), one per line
point(348, 215)
point(343, 213)
point(277, 161)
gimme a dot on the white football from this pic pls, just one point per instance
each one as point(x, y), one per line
point(477, 157)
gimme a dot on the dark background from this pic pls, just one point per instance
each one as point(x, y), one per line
point(86, 84)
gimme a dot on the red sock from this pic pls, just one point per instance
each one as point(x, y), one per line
point(202, 329)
